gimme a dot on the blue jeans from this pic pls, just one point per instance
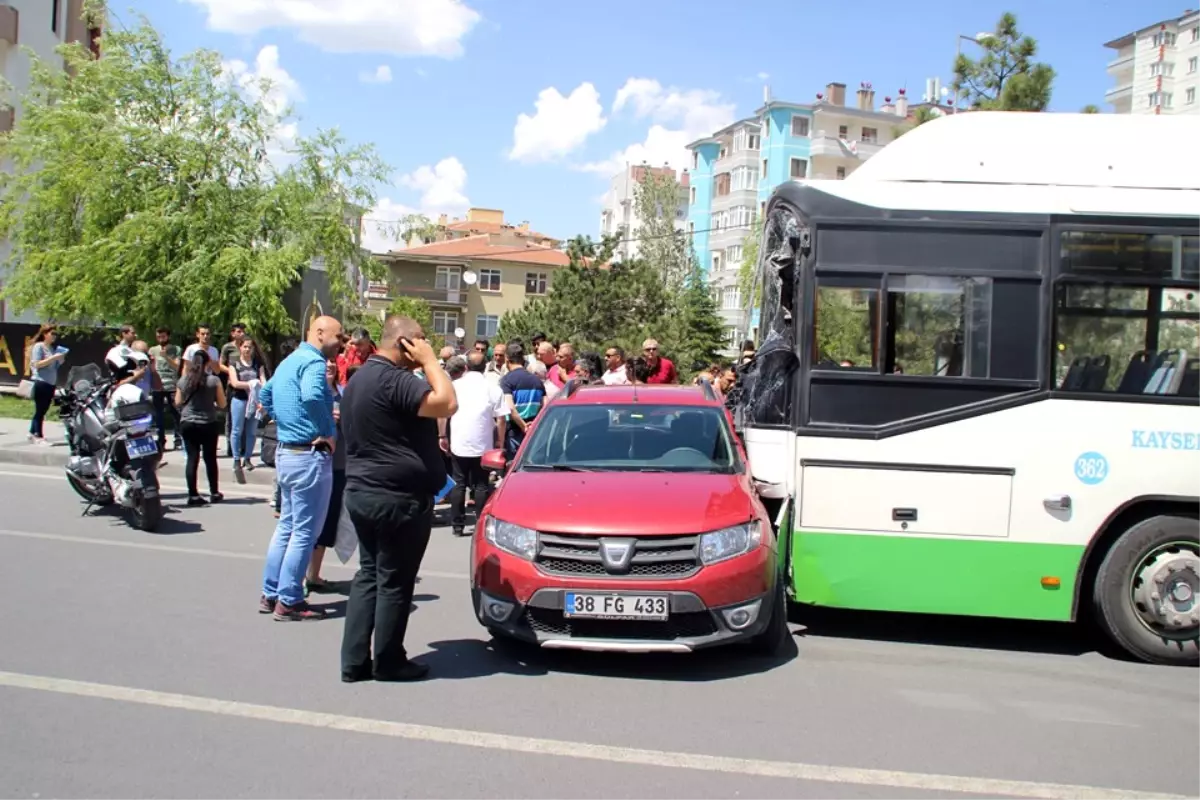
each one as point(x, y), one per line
point(244, 430)
point(305, 482)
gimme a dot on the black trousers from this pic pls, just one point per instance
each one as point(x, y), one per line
point(164, 404)
point(466, 472)
point(200, 440)
point(43, 398)
point(393, 532)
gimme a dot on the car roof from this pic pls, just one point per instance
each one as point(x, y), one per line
point(657, 394)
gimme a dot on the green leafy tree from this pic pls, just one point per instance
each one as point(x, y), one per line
point(157, 190)
point(749, 285)
point(1005, 77)
point(695, 333)
point(660, 243)
point(1090, 109)
point(918, 118)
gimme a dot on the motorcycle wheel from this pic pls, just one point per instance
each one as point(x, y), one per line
point(81, 489)
point(147, 513)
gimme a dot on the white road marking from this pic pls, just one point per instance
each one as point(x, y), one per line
point(194, 551)
point(566, 749)
point(56, 475)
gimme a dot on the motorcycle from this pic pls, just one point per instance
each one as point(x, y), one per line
point(114, 451)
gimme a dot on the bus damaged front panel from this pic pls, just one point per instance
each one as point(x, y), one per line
point(767, 393)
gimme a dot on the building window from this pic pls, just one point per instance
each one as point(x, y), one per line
point(1165, 68)
point(489, 280)
point(841, 173)
point(734, 338)
point(1164, 39)
point(1189, 96)
point(724, 152)
point(742, 178)
point(486, 325)
point(448, 279)
point(764, 168)
point(753, 142)
point(730, 298)
point(444, 323)
point(54, 16)
point(799, 169)
point(843, 132)
point(870, 136)
point(716, 261)
point(695, 160)
point(733, 254)
point(1196, 34)
point(1163, 99)
point(692, 196)
point(535, 282)
point(722, 184)
point(1192, 63)
point(799, 125)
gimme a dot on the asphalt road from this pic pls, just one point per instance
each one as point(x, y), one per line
point(135, 665)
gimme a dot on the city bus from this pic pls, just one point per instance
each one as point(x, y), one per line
point(976, 390)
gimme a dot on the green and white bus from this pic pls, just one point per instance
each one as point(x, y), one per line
point(976, 387)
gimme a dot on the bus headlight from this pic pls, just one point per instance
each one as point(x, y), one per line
point(730, 542)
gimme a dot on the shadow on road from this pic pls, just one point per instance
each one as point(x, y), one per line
point(458, 659)
point(1055, 638)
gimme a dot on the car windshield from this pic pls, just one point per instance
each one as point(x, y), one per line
point(631, 438)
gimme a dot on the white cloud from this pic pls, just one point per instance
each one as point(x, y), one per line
point(441, 187)
point(397, 27)
point(381, 74)
point(559, 125)
point(762, 76)
point(678, 118)
point(272, 86)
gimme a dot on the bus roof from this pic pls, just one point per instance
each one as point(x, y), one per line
point(1044, 149)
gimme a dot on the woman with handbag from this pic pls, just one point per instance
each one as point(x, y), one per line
point(44, 360)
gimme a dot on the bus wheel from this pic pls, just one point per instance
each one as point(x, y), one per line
point(1147, 592)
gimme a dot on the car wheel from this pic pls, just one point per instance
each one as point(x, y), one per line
point(1146, 591)
point(773, 638)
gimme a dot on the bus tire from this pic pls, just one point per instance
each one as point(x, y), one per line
point(1146, 591)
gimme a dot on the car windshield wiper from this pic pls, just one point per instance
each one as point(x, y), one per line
point(558, 468)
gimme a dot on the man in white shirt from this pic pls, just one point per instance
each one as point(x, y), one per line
point(203, 342)
point(497, 368)
point(474, 429)
point(614, 368)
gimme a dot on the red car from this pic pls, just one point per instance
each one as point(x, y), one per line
point(628, 521)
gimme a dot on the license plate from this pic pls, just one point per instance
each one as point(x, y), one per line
point(140, 448)
point(616, 606)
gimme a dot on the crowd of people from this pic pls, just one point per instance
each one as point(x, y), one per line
point(374, 428)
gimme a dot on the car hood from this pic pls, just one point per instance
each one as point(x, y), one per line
point(643, 504)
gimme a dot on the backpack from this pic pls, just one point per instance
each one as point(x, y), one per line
point(270, 443)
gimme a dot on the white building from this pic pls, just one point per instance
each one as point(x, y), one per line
point(1157, 69)
point(41, 26)
point(619, 214)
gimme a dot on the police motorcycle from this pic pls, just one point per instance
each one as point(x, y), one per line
point(112, 438)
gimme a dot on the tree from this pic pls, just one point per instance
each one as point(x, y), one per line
point(919, 117)
point(1090, 109)
point(1005, 78)
point(156, 190)
point(749, 286)
point(661, 244)
point(695, 332)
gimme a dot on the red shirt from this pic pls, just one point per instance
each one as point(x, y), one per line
point(348, 359)
point(664, 372)
point(555, 376)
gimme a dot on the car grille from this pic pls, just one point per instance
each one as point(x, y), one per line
point(679, 626)
point(653, 557)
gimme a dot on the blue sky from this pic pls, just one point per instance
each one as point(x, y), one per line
point(439, 85)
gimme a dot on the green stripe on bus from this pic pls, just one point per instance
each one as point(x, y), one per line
point(971, 577)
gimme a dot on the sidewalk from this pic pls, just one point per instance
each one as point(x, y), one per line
point(16, 449)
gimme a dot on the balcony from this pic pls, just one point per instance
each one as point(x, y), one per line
point(1119, 92)
point(456, 298)
point(9, 19)
point(825, 145)
point(1121, 62)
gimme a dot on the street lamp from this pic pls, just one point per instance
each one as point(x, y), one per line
point(979, 39)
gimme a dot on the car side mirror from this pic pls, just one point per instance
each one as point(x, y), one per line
point(494, 461)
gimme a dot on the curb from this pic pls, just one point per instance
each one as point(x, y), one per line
point(41, 456)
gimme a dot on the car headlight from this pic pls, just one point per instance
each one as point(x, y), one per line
point(730, 542)
point(510, 538)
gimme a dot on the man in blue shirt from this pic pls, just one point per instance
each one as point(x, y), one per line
point(300, 400)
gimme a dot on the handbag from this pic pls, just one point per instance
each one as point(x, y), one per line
point(25, 389)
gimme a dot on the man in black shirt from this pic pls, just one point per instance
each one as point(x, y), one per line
point(394, 468)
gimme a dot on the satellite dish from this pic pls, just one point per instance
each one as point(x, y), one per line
point(459, 332)
point(469, 277)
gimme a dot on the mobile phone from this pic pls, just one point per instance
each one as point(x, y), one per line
point(406, 342)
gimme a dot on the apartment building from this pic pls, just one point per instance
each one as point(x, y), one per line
point(41, 26)
point(1157, 68)
point(619, 214)
point(735, 170)
point(477, 222)
point(511, 264)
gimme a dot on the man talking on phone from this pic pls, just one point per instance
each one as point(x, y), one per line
point(394, 468)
